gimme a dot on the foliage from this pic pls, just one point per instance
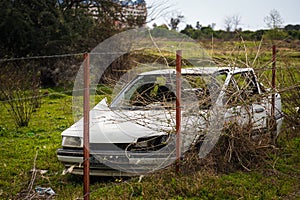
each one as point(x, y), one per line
point(273, 176)
point(174, 22)
point(43, 27)
point(203, 33)
point(55, 27)
point(35, 146)
point(20, 145)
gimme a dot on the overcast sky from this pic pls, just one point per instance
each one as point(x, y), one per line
point(252, 12)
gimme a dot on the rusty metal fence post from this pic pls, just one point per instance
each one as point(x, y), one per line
point(273, 121)
point(178, 107)
point(273, 77)
point(86, 122)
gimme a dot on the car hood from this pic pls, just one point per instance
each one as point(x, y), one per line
point(126, 126)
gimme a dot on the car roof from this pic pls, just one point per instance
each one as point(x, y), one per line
point(194, 70)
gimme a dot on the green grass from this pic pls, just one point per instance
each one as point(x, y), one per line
point(278, 178)
point(19, 146)
point(42, 137)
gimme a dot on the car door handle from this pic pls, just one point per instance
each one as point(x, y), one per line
point(259, 110)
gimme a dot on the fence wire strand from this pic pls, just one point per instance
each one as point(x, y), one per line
point(40, 57)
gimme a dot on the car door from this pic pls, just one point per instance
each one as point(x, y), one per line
point(238, 112)
point(259, 116)
point(251, 98)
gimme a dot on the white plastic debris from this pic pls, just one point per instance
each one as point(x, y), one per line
point(42, 191)
point(69, 170)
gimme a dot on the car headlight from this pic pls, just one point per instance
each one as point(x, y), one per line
point(150, 143)
point(70, 141)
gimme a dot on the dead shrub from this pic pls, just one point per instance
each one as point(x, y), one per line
point(238, 148)
point(19, 91)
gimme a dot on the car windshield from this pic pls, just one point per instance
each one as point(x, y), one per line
point(159, 91)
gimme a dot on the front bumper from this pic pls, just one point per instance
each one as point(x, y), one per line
point(116, 162)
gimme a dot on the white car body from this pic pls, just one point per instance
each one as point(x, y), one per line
point(129, 138)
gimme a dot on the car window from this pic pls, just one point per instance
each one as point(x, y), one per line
point(242, 89)
point(205, 88)
point(246, 84)
point(160, 91)
point(146, 91)
point(150, 93)
point(197, 88)
point(232, 97)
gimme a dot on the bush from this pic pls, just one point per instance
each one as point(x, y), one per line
point(19, 91)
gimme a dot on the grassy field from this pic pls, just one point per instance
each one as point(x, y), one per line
point(27, 151)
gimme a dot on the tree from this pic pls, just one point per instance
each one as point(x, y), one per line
point(228, 23)
point(274, 19)
point(39, 27)
point(236, 20)
point(198, 25)
point(293, 31)
point(50, 27)
point(232, 22)
point(174, 22)
point(189, 31)
point(291, 27)
point(157, 9)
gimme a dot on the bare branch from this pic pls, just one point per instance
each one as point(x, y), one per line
point(157, 9)
point(274, 19)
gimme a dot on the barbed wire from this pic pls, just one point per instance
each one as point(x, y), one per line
point(34, 97)
point(46, 94)
point(265, 67)
point(61, 56)
point(41, 57)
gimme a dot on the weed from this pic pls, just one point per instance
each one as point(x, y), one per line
point(243, 173)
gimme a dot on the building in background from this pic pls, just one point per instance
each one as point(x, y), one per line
point(133, 13)
point(124, 13)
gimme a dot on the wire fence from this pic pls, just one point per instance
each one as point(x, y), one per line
point(236, 149)
point(287, 83)
point(287, 79)
point(263, 73)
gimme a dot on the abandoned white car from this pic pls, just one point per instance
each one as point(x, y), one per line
point(135, 134)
